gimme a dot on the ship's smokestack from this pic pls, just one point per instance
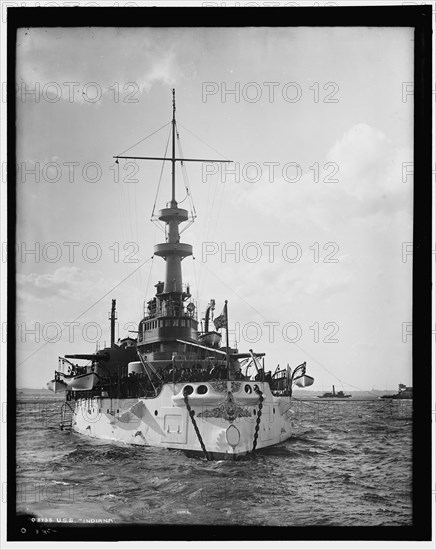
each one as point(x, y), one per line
point(113, 318)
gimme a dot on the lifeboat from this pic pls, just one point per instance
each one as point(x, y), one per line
point(57, 386)
point(210, 339)
point(83, 379)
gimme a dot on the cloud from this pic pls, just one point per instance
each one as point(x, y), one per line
point(362, 152)
point(370, 182)
point(371, 167)
point(69, 283)
point(137, 57)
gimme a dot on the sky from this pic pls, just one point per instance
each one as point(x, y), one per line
point(316, 206)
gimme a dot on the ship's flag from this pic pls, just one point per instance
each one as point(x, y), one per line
point(221, 320)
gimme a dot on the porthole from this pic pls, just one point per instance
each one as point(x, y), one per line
point(202, 389)
point(254, 412)
point(248, 388)
point(274, 410)
point(187, 390)
point(155, 413)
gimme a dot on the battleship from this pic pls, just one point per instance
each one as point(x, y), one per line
point(176, 385)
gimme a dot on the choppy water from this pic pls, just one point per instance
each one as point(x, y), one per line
point(348, 464)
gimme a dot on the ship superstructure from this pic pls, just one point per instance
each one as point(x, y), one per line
point(175, 386)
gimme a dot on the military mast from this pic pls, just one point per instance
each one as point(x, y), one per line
point(173, 251)
point(168, 303)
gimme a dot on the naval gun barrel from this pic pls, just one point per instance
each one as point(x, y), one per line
point(90, 356)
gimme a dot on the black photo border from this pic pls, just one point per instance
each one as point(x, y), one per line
point(418, 17)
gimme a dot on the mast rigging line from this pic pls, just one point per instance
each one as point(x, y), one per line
point(133, 229)
point(186, 184)
point(196, 285)
point(177, 159)
point(90, 307)
point(160, 181)
point(143, 139)
point(294, 343)
point(184, 172)
point(202, 141)
point(148, 280)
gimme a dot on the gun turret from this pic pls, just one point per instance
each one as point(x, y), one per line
point(90, 356)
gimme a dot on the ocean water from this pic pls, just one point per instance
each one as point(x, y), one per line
point(349, 463)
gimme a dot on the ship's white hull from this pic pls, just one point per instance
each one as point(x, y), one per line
point(226, 416)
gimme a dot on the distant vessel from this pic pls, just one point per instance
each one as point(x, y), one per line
point(404, 392)
point(339, 395)
point(174, 386)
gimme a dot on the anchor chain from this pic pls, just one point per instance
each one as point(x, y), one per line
point(194, 423)
point(259, 414)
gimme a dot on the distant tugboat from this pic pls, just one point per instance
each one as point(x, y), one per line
point(339, 395)
point(174, 386)
point(404, 392)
